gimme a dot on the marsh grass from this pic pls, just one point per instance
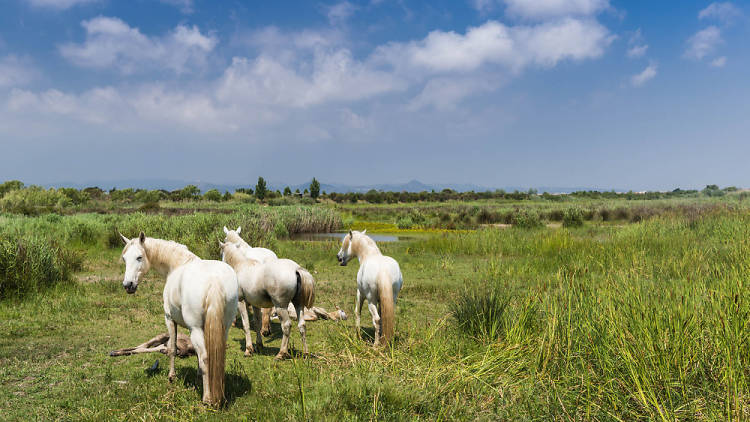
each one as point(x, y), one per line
point(645, 321)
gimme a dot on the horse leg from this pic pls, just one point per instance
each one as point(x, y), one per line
point(171, 345)
point(286, 325)
point(196, 337)
point(375, 321)
point(301, 325)
point(358, 312)
point(266, 326)
point(256, 322)
point(242, 306)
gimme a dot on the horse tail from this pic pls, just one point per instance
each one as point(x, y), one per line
point(387, 314)
point(305, 295)
point(214, 331)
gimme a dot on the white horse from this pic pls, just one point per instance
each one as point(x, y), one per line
point(200, 295)
point(275, 283)
point(379, 280)
point(261, 255)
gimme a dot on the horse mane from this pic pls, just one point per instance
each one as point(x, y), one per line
point(168, 252)
point(362, 242)
point(236, 258)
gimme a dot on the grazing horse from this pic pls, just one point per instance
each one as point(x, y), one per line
point(200, 295)
point(274, 283)
point(258, 254)
point(379, 280)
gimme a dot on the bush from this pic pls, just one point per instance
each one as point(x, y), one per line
point(212, 195)
point(527, 219)
point(34, 200)
point(573, 217)
point(31, 265)
point(404, 223)
point(481, 314)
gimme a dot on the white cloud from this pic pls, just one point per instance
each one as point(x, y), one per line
point(724, 12)
point(15, 71)
point(445, 93)
point(637, 51)
point(112, 43)
point(496, 44)
point(719, 61)
point(340, 12)
point(703, 43)
point(641, 78)
point(58, 4)
point(185, 6)
point(636, 45)
point(546, 9)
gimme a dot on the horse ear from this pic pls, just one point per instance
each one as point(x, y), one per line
point(239, 229)
point(364, 231)
point(350, 234)
point(142, 237)
point(226, 230)
point(124, 239)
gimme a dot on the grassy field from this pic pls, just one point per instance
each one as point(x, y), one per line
point(612, 320)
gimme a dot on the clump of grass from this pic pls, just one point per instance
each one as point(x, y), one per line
point(31, 265)
point(481, 313)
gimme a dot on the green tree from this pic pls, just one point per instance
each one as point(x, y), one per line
point(189, 192)
point(260, 189)
point(314, 189)
point(212, 195)
point(9, 186)
point(287, 191)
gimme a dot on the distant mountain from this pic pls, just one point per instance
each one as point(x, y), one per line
point(410, 186)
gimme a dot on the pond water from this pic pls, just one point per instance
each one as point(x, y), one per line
point(339, 236)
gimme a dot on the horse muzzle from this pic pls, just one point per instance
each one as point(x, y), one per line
point(130, 287)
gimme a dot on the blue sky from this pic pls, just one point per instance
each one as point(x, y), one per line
point(598, 93)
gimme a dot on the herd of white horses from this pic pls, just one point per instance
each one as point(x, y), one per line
point(204, 296)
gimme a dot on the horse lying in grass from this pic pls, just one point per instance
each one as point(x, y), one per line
point(274, 283)
point(259, 254)
point(185, 348)
point(159, 344)
point(200, 295)
point(379, 280)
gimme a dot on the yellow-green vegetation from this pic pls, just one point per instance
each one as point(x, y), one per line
point(643, 320)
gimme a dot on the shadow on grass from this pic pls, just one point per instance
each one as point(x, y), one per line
point(235, 385)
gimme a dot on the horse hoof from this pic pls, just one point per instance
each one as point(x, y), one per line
point(171, 378)
point(282, 356)
point(248, 353)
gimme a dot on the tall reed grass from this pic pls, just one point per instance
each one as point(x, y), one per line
point(646, 322)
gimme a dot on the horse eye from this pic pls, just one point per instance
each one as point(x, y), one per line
point(139, 259)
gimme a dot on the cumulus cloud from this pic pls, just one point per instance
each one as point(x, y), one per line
point(494, 43)
point(307, 79)
point(546, 9)
point(58, 4)
point(641, 78)
point(724, 12)
point(703, 43)
point(719, 61)
point(112, 43)
point(15, 71)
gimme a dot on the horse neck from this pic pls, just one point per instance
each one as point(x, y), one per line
point(364, 247)
point(165, 256)
point(237, 260)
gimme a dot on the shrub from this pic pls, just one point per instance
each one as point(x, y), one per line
point(34, 200)
point(573, 217)
point(527, 219)
point(404, 223)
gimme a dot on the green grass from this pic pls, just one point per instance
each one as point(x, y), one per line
point(645, 321)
